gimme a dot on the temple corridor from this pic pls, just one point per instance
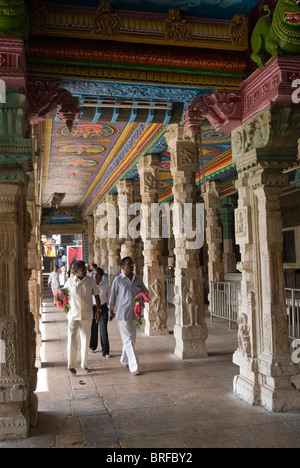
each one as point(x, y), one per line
point(172, 404)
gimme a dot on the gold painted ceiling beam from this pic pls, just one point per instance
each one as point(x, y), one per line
point(104, 23)
point(207, 80)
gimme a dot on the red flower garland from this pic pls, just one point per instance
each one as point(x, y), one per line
point(62, 304)
point(139, 301)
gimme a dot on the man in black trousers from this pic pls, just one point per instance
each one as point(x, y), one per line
point(104, 295)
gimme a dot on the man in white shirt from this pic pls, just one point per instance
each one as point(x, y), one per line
point(124, 289)
point(104, 298)
point(53, 281)
point(81, 291)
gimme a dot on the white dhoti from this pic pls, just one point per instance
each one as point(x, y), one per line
point(84, 328)
point(128, 335)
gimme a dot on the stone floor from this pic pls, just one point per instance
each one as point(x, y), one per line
point(173, 404)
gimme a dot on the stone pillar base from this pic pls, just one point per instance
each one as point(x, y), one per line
point(16, 414)
point(267, 382)
point(14, 427)
point(277, 392)
point(190, 342)
point(246, 389)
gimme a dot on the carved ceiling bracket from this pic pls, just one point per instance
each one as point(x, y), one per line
point(277, 83)
point(223, 109)
point(46, 97)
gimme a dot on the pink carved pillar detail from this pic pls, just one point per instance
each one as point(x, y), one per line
point(12, 62)
point(223, 109)
point(45, 97)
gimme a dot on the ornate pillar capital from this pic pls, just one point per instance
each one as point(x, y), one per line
point(9, 194)
point(148, 168)
point(15, 148)
point(269, 137)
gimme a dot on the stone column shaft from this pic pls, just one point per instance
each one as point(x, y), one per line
point(125, 200)
point(226, 210)
point(18, 404)
point(154, 278)
point(190, 330)
point(213, 232)
point(91, 239)
point(113, 243)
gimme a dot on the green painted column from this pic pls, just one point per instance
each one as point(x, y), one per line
point(18, 403)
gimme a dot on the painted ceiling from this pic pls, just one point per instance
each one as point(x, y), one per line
point(103, 147)
point(220, 9)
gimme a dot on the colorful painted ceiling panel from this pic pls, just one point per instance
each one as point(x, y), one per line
point(217, 155)
point(77, 158)
point(87, 163)
point(222, 9)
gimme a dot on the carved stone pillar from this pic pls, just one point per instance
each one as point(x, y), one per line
point(113, 243)
point(213, 232)
point(264, 146)
point(125, 200)
point(226, 209)
point(104, 255)
point(91, 238)
point(190, 330)
point(97, 240)
point(18, 404)
point(154, 278)
point(100, 247)
point(34, 264)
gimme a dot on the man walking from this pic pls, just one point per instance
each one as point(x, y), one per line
point(53, 281)
point(124, 289)
point(81, 290)
point(104, 298)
